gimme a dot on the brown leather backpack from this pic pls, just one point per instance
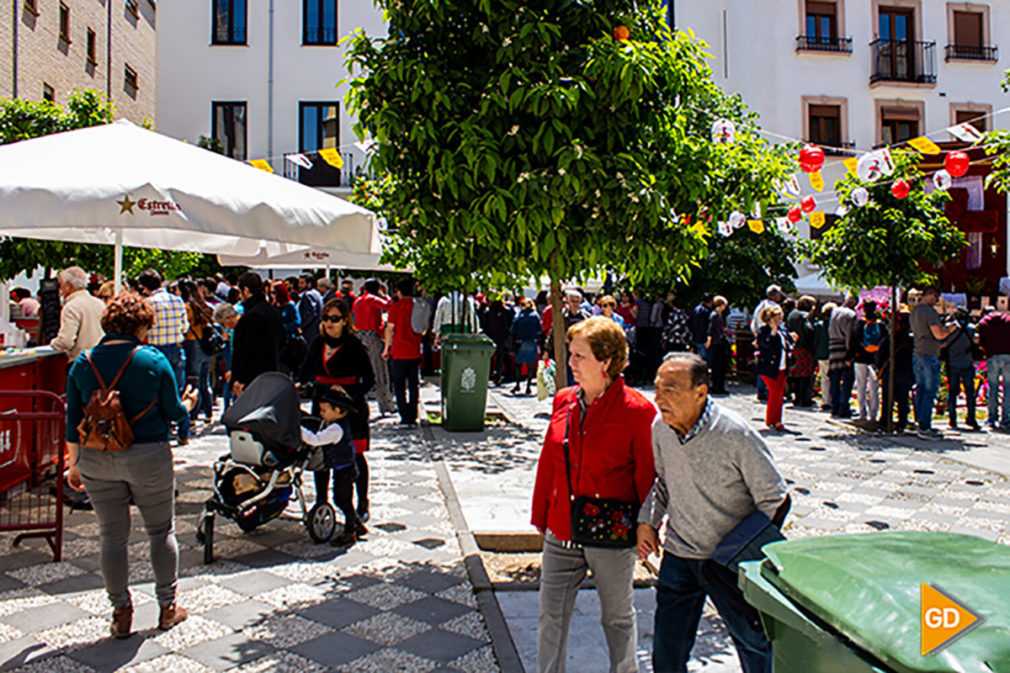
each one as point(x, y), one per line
point(105, 426)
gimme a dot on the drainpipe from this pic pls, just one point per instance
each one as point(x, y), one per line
point(14, 47)
point(108, 51)
point(270, 87)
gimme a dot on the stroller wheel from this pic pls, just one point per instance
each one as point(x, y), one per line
point(321, 522)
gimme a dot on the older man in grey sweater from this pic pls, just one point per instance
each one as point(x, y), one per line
point(712, 471)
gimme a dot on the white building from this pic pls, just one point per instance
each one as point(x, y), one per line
point(262, 77)
point(857, 75)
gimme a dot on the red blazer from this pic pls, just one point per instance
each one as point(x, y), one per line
point(610, 454)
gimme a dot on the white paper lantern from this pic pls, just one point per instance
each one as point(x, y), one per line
point(860, 196)
point(723, 131)
point(942, 180)
point(737, 219)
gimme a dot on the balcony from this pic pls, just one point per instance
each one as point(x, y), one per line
point(907, 61)
point(838, 45)
point(322, 174)
point(964, 52)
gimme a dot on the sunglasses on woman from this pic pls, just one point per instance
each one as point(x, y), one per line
point(333, 318)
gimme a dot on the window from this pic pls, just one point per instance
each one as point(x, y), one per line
point(822, 22)
point(968, 34)
point(319, 22)
point(64, 23)
point(32, 6)
point(130, 79)
point(229, 128)
point(977, 117)
point(229, 22)
point(825, 125)
point(92, 54)
point(48, 93)
point(131, 7)
point(898, 124)
point(318, 129)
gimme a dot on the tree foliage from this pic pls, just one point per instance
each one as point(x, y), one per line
point(523, 140)
point(889, 241)
point(23, 119)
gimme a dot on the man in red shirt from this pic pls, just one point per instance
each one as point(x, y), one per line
point(368, 310)
point(403, 347)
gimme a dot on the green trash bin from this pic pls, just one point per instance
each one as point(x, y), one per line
point(466, 365)
point(851, 603)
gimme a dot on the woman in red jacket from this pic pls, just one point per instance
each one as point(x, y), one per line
point(609, 431)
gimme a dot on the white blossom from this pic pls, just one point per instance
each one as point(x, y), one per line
point(507, 42)
point(514, 130)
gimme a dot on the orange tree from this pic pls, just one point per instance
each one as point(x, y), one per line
point(524, 140)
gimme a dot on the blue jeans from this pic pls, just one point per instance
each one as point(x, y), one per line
point(958, 377)
point(703, 353)
point(226, 393)
point(998, 366)
point(927, 385)
point(198, 376)
point(177, 359)
point(841, 391)
point(680, 597)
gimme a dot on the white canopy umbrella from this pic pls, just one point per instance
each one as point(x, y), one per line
point(281, 256)
point(121, 184)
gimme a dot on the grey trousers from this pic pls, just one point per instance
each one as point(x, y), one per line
point(383, 392)
point(562, 571)
point(145, 472)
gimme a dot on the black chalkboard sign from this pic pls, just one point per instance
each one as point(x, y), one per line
point(49, 309)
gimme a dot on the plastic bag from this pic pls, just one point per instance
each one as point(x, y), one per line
point(545, 380)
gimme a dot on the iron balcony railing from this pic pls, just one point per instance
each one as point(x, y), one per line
point(322, 174)
point(963, 52)
point(903, 61)
point(815, 43)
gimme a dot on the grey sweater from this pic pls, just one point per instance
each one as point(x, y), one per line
point(710, 482)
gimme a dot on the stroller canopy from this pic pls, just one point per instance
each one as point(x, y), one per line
point(269, 409)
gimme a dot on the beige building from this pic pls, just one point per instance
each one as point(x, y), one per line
point(51, 47)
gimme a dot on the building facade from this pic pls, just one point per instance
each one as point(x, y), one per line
point(853, 76)
point(263, 79)
point(55, 46)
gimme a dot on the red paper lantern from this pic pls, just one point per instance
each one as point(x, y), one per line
point(811, 158)
point(900, 189)
point(794, 214)
point(621, 33)
point(808, 204)
point(957, 163)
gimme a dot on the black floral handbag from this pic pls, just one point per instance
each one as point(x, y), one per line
point(600, 522)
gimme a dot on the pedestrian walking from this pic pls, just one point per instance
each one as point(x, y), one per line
point(200, 317)
point(525, 330)
point(597, 450)
point(258, 337)
point(773, 297)
point(803, 365)
point(227, 316)
point(81, 316)
point(871, 333)
point(904, 375)
point(994, 337)
point(403, 351)
point(957, 355)
point(712, 472)
point(168, 333)
point(368, 326)
point(822, 352)
point(842, 344)
point(497, 322)
point(929, 334)
point(607, 306)
point(699, 323)
point(143, 473)
point(717, 345)
point(310, 306)
point(774, 344)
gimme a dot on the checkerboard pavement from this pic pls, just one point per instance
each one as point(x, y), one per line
point(273, 600)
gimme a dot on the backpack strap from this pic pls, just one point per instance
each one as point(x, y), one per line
point(144, 412)
point(122, 369)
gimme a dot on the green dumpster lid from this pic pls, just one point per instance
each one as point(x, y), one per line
point(867, 588)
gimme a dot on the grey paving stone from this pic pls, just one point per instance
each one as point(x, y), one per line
point(430, 582)
point(224, 653)
point(338, 612)
point(335, 649)
point(73, 584)
point(811, 522)
point(253, 583)
point(23, 559)
point(8, 583)
point(112, 654)
point(439, 645)
point(92, 563)
point(265, 559)
point(44, 617)
point(432, 610)
point(240, 616)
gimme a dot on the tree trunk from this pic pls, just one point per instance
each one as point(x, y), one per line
point(892, 359)
point(558, 332)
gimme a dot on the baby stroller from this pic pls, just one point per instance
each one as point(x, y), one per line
point(262, 472)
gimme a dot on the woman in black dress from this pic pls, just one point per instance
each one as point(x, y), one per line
point(338, 358)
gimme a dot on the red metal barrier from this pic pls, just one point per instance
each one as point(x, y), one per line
point(32, 461)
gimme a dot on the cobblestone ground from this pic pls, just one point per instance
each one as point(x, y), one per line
point(272, 601)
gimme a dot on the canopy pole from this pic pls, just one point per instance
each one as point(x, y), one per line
point(117, 284)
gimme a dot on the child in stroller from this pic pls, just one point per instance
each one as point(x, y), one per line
point(334, 438)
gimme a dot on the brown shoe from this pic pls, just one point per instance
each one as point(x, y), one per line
point(171, 615)
point(122, 621)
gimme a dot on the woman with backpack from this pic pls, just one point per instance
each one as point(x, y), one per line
point(197, 359)
point(133, 386)
point(957, 354)
point(871, 333)
point(525, 329)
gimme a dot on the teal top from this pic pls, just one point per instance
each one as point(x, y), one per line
point(149, 376)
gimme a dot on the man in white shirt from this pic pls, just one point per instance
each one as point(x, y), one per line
point(453, 315)
point(81, 317)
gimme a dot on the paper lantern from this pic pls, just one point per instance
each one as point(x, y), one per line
point(942, 180)
point(811, 158)
point(957, 163)
point(900, 189)
point(723, 131)
point(868, 168)
point(794, 214)
point(808, 204)
point(621, 33)
point(860, 197)
point(737, 219)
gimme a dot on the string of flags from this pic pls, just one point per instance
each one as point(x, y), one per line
point(328, 154)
